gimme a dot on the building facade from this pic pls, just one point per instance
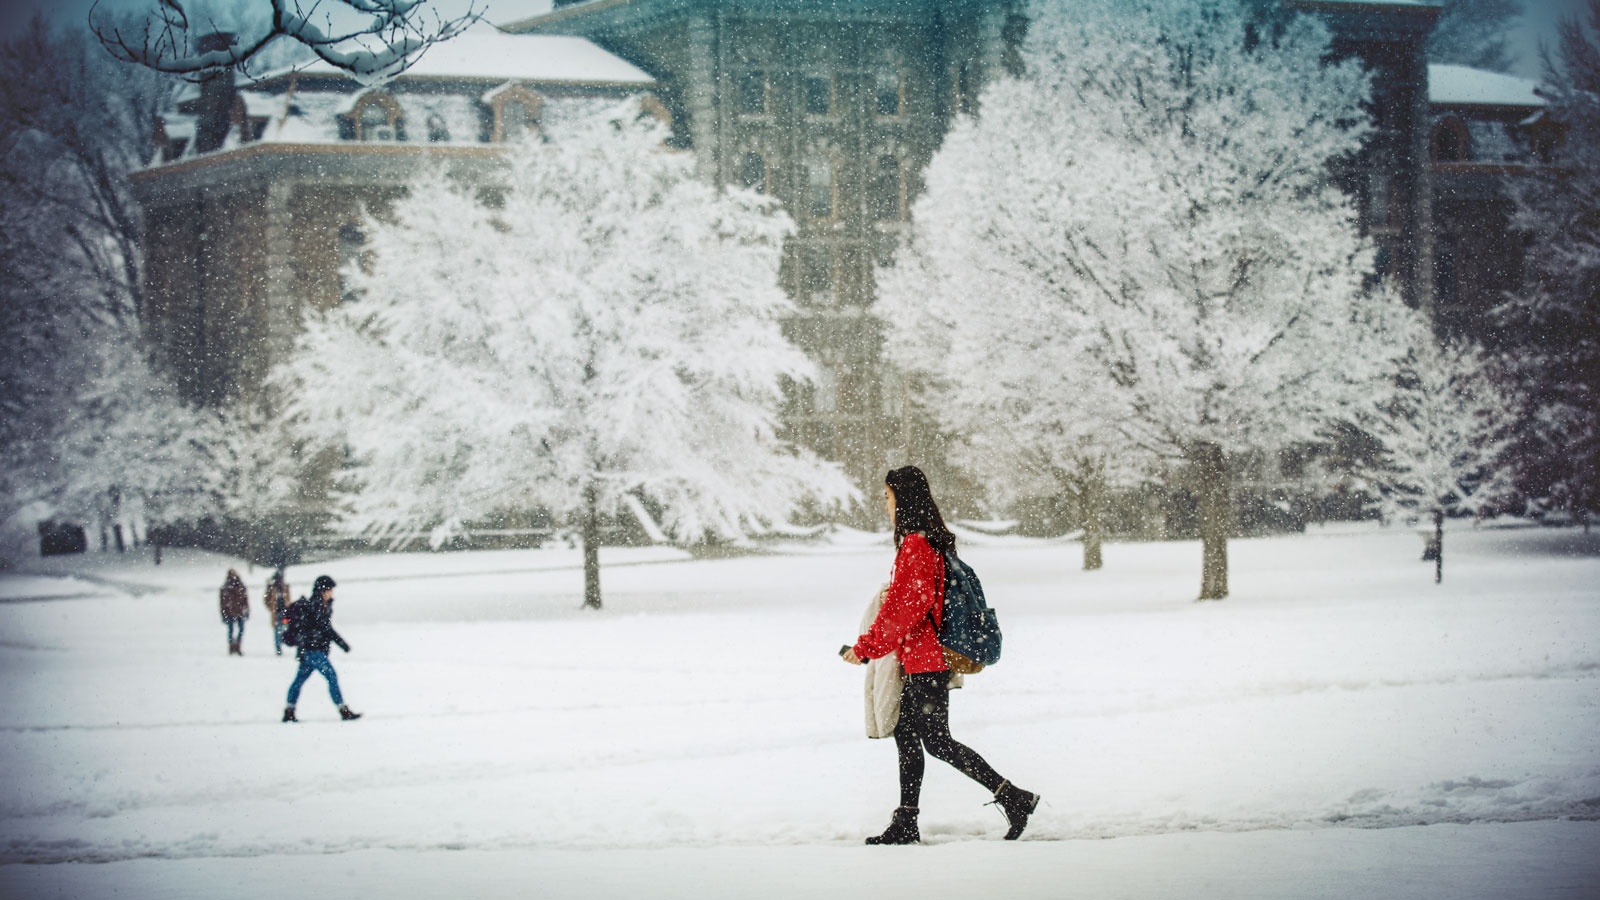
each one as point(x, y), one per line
point(835, 108)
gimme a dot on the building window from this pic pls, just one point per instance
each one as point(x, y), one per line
point(820, 188)
point(516, 114)
point(352, 258)
point(516, 121)
point(1451, 141)
point(819, 96)
point(963, 86)
point(378, 118)
point(817, 273)
point(890, 90)
point(886, 196)
point(1380, 199)
point(753, 93)
point(438, 131)
point(825, 393)
point(753, 172)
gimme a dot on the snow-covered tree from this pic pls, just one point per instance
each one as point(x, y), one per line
point(126, 447)
point(605, 327)
point(373, 40)
point(1477, 33)
point(252, 471)
point(1147, 218)
point(1552, 324)
point(997, 383)
point(1443, 428)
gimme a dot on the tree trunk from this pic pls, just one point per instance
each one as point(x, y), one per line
point(1216, 519)
point(1438, 546)
point(591, 548)
point(1093, 524)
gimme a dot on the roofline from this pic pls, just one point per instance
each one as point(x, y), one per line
point(1510, 109)
point(485, 79)
point(557, 16)
point(352, 148)
point(1477, 168)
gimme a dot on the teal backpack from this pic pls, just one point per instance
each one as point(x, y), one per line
point(970, 630)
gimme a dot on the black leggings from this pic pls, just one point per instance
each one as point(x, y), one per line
point(925, 720)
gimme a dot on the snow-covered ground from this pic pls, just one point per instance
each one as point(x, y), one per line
point(700, 738)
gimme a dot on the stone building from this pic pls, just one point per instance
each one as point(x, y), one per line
point(1486, 128)
point(259, 194)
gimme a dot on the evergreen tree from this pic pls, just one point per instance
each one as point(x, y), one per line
point(1443, 429)
point(1551, 326)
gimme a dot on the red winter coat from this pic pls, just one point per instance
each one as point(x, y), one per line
point(916, 589)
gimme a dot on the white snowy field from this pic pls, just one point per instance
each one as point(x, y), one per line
point(1339, 727)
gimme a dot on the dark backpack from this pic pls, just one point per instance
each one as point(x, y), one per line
point(970, 630)
point(296, 617)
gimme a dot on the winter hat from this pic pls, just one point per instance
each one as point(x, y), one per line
point(322, 583)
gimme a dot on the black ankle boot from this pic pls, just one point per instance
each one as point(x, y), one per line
point(288, 714)
point(902, 829)
point(1018, 805)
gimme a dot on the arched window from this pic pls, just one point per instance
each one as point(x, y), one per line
point(378, 118)
point(438, 131)
point(886, 196)
point(1451, 141)
point(753, 172)
point(516, 114)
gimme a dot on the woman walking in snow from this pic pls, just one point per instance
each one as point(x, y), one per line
point(908, 624)
point(235, 609)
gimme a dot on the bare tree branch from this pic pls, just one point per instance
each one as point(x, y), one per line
point(373, 40)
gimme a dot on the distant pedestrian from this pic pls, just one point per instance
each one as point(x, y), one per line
point(907, 624)
point(313, 625)
point(276, 600)
point(235, 609)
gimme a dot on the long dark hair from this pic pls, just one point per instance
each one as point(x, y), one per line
point(914, 509)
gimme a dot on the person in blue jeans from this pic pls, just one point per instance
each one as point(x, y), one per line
point(316, 635)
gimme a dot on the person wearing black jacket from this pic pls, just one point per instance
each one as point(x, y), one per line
point(316, 633)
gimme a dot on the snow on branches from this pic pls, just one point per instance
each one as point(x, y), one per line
point(1443, 426)
point(1165, 269)
point(1551, 326)
point(373, 40)
point(605, 326)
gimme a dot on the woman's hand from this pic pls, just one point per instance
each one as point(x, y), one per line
point(850, 657)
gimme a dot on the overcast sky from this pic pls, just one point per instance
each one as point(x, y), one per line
point(1538, 22)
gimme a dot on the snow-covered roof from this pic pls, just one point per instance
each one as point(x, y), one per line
point(485, 52)
point(178, 126)
point(1460, 85)
point(259, 104)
